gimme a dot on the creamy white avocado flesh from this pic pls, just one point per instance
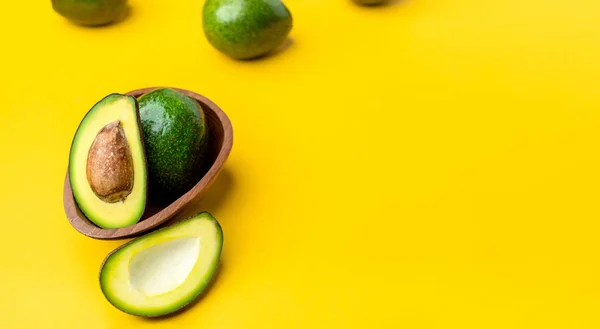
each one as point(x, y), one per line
point(107, 163)
point(165, 270)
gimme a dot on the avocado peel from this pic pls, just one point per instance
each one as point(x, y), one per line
point(164, 271)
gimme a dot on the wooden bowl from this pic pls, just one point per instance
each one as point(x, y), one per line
point(221, 140)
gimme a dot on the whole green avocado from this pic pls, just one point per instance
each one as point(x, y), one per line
point(90, 12)
point(245, 29)
point(175, 139)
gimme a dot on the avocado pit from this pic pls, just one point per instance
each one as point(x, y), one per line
point(109, 167)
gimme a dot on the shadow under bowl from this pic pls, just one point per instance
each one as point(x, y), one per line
point(220, 144)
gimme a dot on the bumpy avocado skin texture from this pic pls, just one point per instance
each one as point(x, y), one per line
point(175, 137)
point(246, 29)
point(90, 12)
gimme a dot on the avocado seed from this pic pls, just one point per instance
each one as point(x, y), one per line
point(110, 164)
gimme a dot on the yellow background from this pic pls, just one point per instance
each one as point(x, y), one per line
point(428, 164)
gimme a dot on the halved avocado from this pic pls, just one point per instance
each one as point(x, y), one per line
point(107, 163)
point(163, 271)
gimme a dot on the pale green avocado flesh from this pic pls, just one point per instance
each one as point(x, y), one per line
point(114, 108)
point(161, 272)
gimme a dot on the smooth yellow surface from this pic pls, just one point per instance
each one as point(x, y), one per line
point(430, 164)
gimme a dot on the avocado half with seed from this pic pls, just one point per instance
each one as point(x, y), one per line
point(107, 163)
point(163, 271)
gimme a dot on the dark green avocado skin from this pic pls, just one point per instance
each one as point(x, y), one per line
point(90, 12)
point(246, 29)
point(175, 138)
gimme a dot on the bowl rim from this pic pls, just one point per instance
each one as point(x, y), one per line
point(87, 228)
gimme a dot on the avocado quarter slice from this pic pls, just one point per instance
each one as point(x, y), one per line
point(107, 163)
point(163, 271)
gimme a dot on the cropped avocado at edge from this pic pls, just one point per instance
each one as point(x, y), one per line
point(91, 12)
point(370, 2)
